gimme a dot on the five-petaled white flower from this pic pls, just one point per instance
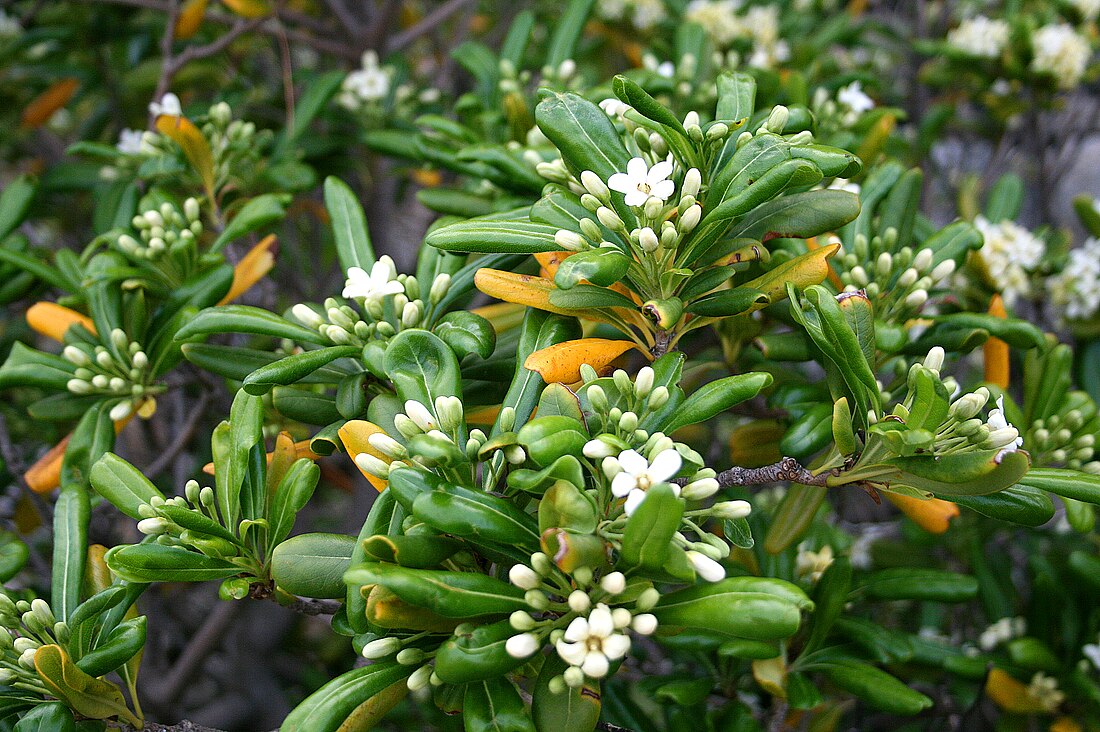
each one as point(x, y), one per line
point(854, 98)
point(169, 105)
point(591, 644)
point(129, 141)
point(638, 475)
point(639, 182)
point(381, 281)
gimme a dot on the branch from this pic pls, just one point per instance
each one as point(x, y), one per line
point(425, 26)
point(303, 605)
point(186, 432)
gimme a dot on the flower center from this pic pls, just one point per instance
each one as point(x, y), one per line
point(643, 482)
point(643, 187)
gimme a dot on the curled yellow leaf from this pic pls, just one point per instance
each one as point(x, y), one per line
point(52, 320)
point(1011, 695)
point(195, 146)
point(252, 268)
point(42, 107)
point(549, 262)
point(561, 363)
point(995, 351)
point(808, 269)
point(932, 514)
point(190, 18)
point(526, 290)
point(355, 435)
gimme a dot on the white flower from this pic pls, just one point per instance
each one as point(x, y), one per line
point(1001, 433)
point(1092, 653)
point(1076, 289)
point(169, 105)
point(368, 84)
point(381, 281)
point(522, 645)
point(640, 182)
point(666, 69)
point(719, 19)
point(1045, 690)
point(1088, 9)
point(1060, 51)
point(708, 569)
point(813, 564)
point(638, 475)
point(1000, 632)
point(129, 141)
point(1010, 252)
point(854, 98)
point(613, 107)
point(980, 36)
point(591, 644)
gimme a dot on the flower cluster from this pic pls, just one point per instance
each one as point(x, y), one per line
point(1060, 52)
point(1064, 439)
point(122, 371)
point(643, 15)
point(163, 229)
point(897, 281)
point(24, 628)
point(180, 521)
point(757, 27)
point(1001, 632)
point(1075, 291)
point(963, 430)
point(367, 85)
point(980, 36)
point(1010, 253)
point(388, 303)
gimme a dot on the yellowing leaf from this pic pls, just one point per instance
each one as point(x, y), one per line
point(933, 514)
point(875, 140)
point(86, 695)
point(355, 434)
point(251, 269)
point(97, 575)
point(771, 674)
point(549, 262)
point(426, 177)
point(485, 415)
point(368, 714)
point(995, 351)
point(52, 320)
point(248, 8)
point(1011, 695)
point(561, 363)
point(195, 147)
point(526, 290)
point(42, 107)
point(190, 18)
point(1065, 724)
point(502, 315)
point(808, 269)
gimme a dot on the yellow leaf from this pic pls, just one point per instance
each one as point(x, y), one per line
point(485, 415)
point(52, 320)
point(301, 450)
point(834, 278)
point(502, 315)
point(86, 695)
point(426, 177)
point(550, 261)
point(807, 269)
point(355, 434)
point(771, 674)
point(248, 8)
point(995, 351)
point(1065, 724)
point(367, 715)
point(251, 269)
point(876, 137)
point(856, 8)
point(561, 363)
point(1011, 695)
point(42, 107)
point(526, 290)
point(195, 147)
point(190, 18)
point(932, 514)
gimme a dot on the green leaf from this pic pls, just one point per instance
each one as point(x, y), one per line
point(583, 133)
point(247, 319)
point(326, 709)
point(968, 473)
point(26, 366)
point(1072, 484)
point(122, 484)
point(422, 367)
point(647, 538)
point(603, 266)
point(72, 512)
point(1021, 504)
point(567, 32)
point(736, 97)
point(716, 397)
point(584, 297)
point(477, 655)
point(349, 226)
point(231, 444)
point(294, 368)
point(539, 330)
point(575, 709)
point(258, 213)
point(118, 647)
point(467, 333)
point(726, 609)
point(799, 215)
point(727, 303)
point(159, 563)
point(15, 201)
point(877, 688)
point(475, 515)
point(494, 235)
point(450, 594)
point(931, 585)
point(47, 717)
point(312, 565)
point(13, 555)
point(494, 705)
point(291, 496)
point(84, 694)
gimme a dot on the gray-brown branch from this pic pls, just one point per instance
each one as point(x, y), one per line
point(786, 470)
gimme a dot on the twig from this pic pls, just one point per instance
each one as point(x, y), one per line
point(204, 641)
point(181, 726)
point(303, 605)
point(425, 26)
point(186, 432)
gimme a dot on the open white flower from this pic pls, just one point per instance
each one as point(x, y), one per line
point(640, 182)
point(854, 98)
point(129, 141)
point(1076, 289)
point(381, 281)
point(811, 564)
point(368, 84)
point(591, 644)
point(1001, 433)
point(638, 475)
point(1009, 252)
point(169, 105)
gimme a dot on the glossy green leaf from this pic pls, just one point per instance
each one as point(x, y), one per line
point(715, 397)
point(494, 705)
point(648, 534)
point(293, 368)
point(122, 484)
point(931, 585)
point(349, 226)
point(312, 565)
point(450, 594)
point(326, 709)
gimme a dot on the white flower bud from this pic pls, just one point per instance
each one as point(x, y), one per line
point(420, 678)
point(595, 185)
point(777, 120)
point(386, 445)
point(643, 382)
point(440, 285)
point(644, 624)
point(410, 656)
point(78, 386)
point(613, 583)
point(653, 207)
point(923, 260)
point(707, 568)
point(121, 411)
point(153, 526)
point(609, 218)
point(381, 648)
point(692, 182)
point(647, 239)
point(916, 298)
point(731, 509)
point(420, 415)
point(307, 316)
point(375, 466)
point(523, 645)
point(570, 240)
point(140, 359)
point(699, 489)
point(598, 449)
point(934, 359)
point(524, 577)
point(943, 270)
point(520, 620)
point(573, 677)
point(579, 601)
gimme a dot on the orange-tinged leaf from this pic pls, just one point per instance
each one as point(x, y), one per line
point(97, 575)
point(1065, 724)
point(995, 351)
point(195, 147)
point(526, 290)
point(875, 139)
point(1011, 695)
point(856, 8)
point(355, 435)
point(550, 261)
point(808, 269)
point(933, 514)
point(561, 363)
point(249, 8)
point(252, 268)
point(86, 695)
point(834, 278)
point(485, 415)
point(52, 320)
point(301, 450)
point(190, 18)
point(426, 177)
point(42, 107)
